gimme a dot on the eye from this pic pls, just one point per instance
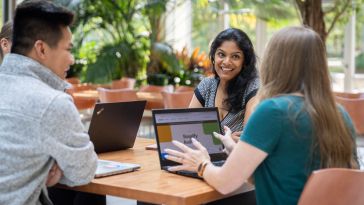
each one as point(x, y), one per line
point(236, 57)
point(220, 54)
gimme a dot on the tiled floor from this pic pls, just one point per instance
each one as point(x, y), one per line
point(110, 200)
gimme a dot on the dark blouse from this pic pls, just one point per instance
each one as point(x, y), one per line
point(206, 92)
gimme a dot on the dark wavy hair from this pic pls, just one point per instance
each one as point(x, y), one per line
point(237, 85)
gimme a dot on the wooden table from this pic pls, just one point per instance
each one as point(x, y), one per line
point(150, 183)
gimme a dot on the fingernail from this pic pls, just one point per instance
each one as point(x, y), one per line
point(193, 139)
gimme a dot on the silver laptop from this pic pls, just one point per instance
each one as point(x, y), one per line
point(107, 168)
point(183, 125)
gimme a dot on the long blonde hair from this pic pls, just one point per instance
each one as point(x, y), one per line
point(295, 61)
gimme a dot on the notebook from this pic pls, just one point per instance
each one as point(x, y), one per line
point(107, 168)
point(114, 126)
point(183, 125)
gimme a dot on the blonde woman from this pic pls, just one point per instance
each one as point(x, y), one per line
point(296, 128)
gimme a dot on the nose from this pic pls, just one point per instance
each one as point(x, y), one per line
point(227, 60)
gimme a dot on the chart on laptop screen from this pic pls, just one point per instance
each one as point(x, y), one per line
point(183, 127)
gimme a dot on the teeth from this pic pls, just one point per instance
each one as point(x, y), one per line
point(226, 69)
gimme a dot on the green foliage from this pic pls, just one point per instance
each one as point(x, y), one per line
point(359, 63)
point(208, 18)
point(166, 68)
point(272, 10)
point(120, 35)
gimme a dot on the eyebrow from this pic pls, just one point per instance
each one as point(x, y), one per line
point(239, 52)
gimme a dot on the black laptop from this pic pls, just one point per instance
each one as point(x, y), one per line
point(114, 126)
point(183, 125)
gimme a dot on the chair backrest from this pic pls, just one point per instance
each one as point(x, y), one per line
point(349, 95)
point(81, 87)
point(156, 88)
point(82, 103)
point(117, 95)
point(177, 99)
point(355, 108)
point(335, 186)
point(123, 83)
point(183, 88)
point(73, 80)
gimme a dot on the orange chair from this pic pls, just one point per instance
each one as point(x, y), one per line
point(117, 95)
point(183, 88)
point(81, 87)
point(355, 108)
point(123, 83)
point(155, 88)
point(73, 80)
point(177, 99)
point(335, 186)
point(82, 103)
point(349, 95)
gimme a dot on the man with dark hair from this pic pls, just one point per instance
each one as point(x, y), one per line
point(42, 138)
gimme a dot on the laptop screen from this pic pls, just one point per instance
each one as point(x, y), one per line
point(184, 124)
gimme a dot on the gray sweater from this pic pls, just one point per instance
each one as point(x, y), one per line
point(39, 125)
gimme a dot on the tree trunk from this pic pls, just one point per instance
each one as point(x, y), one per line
point(313, 16)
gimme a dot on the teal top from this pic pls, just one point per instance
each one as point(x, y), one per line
point(283, 129)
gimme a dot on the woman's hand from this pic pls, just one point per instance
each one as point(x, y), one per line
point(54, 175)
point(236, 136)
point(226, 139)
point(189, 158)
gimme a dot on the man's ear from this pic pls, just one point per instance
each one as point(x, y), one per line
point(40, 48)
point(4, 43)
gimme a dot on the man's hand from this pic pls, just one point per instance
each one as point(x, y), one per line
point(54, 175)
point(226, 139)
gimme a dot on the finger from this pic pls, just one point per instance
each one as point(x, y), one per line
point(235, 138)
point(227, 130)
point(217, 135)
point(174, 158)
point(174, 152)
point(179, 168)
point(197, 144)
point(180, 145)
point(238, 133)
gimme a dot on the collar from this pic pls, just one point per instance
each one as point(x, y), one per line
point(22, 65)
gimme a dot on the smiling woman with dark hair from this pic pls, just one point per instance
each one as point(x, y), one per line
point(235, 83)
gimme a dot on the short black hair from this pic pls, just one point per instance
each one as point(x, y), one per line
point(38, 20)
point(237, 85)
